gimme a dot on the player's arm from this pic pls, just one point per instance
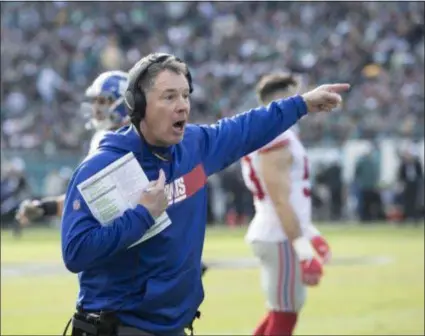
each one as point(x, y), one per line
point(52, 206)
point(275, 171)
point(232, 138)
point(85, 242)
point(31, 210)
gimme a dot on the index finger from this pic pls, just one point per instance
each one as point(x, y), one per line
point(338, 87)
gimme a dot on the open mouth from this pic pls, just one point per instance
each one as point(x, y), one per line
point(179, 125)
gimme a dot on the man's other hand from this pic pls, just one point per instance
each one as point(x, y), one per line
point(325, 97)
point(154, 198)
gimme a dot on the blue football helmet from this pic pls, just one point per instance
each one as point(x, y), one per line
point(106, 109)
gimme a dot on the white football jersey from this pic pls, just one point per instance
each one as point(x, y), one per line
point(95, 140)
point(265, 226)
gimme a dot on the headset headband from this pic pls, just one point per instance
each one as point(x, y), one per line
point(140, 69)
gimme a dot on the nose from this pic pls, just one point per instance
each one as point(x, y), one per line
point(96, 111)
point(183, 105)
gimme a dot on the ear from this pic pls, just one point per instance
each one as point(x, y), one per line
point(142, 127)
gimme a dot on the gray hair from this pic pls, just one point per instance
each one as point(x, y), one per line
point(147, 81)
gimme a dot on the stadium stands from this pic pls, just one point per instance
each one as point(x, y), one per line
point(51, 50)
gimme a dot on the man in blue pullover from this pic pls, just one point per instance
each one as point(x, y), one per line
point(154, 287)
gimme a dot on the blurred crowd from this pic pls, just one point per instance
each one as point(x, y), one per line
point(52, 50)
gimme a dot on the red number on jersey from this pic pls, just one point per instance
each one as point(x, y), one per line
point(258, 192)
point(306, 170)
point(306, 191)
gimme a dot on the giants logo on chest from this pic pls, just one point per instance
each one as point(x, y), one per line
point(186, 186)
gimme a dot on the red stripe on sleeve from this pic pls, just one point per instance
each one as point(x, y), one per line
point(195, 180)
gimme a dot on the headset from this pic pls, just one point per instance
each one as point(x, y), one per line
point(134, 98)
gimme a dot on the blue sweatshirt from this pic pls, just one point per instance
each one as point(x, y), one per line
point(156, 285)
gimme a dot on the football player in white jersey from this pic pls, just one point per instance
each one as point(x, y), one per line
point(289, 247)
point(107, 112)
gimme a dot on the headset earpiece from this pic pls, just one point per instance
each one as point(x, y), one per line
point(140, 102)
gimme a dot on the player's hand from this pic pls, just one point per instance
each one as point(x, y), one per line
point(311, 267)
point(154, 198)
point(322, 248)
point(325, 97)
point(311, 271)
point(28, 211)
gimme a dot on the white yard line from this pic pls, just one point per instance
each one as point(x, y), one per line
point(11, 270)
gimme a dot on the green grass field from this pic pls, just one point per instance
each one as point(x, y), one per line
point(374, 287)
